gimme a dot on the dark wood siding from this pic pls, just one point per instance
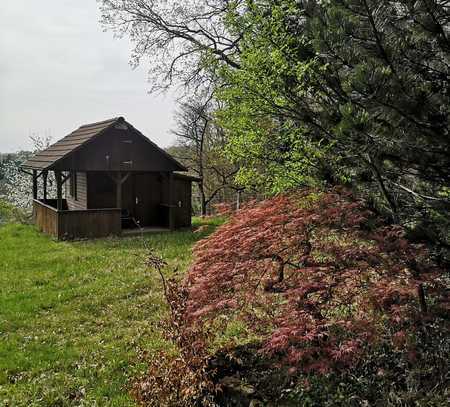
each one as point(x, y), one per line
point(101, 191)
point(106, 157)
point(147, 191)
point(128, 197)
point(81, 192)
point(182, 201)
point(123, 142)
point(118, 150)
point(45, 217)
point(73, 224)
point(89, 223)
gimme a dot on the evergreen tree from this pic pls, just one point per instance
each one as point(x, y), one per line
point(345, 91)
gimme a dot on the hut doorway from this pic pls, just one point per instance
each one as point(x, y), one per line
point(147, 199)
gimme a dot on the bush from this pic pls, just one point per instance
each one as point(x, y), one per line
point(315, 277)
point(9, 213)
point(326, 293)
point(387, 376)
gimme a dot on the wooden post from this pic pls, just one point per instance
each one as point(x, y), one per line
point(171, 204)
point(119, 190)
point(44, 178)
point(59, 204)
point(35, 185)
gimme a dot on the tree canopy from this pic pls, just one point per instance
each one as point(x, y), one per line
point(199, 146)
point(353, 92)
point(313, 92)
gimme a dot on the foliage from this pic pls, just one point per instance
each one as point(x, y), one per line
point(316, 278)
point(315, 92)
point(387, 376)
point(223, 209)
point(352, 92)
point(9, 213)
point(74, 315)
point(16, 185)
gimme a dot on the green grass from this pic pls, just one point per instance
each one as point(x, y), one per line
point(74, 315)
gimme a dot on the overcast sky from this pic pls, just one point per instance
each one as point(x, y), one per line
point(58, 70)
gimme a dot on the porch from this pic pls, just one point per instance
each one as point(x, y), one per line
point(65, 224)
point(70, 224)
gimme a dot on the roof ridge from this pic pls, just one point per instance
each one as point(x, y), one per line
point(101, 122)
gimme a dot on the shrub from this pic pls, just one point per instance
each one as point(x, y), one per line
point(315, 277)
point(223, 209)
point(9, 213)
point(331, 306)
point(387, 376)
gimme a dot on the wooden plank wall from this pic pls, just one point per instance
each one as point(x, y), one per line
point(81, 201)
point(147, 191)
point(101, 191)
point(119, 150)
point(89, 223)
point(76, 223)
point(45, 218)
point(182, 201)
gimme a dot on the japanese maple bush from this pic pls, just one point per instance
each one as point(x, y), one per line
point(316, 277)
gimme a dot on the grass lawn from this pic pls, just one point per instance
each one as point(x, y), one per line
point(74, 314)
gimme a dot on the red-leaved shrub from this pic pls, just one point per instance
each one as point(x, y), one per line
point(223, 209)
point(315, 276)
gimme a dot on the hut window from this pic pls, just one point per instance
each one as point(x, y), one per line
point(73, 184)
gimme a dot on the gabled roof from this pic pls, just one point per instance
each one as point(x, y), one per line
point(47, 158)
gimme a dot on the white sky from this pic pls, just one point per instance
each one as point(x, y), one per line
point(58, 70)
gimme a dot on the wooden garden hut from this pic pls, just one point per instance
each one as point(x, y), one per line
point(109, 177)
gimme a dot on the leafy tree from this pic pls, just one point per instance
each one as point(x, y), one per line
point(348, 91)
point(294, 287)
point(336, 91)
point(16, 186)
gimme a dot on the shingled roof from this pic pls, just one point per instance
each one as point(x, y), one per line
point(47, 158)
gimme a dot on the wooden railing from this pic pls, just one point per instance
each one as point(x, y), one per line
point(75, 224)
point(45, 217)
